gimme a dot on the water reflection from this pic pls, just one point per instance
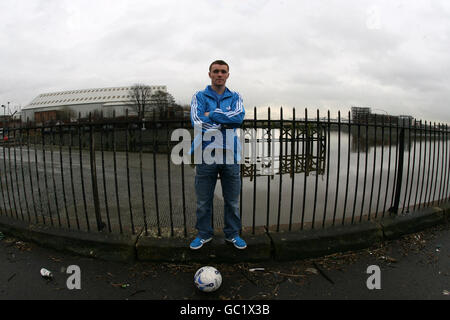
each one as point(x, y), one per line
point(330, 176)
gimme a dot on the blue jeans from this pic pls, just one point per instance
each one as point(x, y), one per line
point(205, 183)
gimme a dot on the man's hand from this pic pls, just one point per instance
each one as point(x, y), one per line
point(206, 114)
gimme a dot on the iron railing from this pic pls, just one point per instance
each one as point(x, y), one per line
point(117, 175)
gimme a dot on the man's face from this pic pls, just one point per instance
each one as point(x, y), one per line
point(219, 74)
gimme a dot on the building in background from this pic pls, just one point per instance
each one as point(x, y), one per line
point(364, 115)
point(69, 105)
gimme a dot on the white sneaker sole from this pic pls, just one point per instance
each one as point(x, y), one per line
point(204, 241)
point(240, 248)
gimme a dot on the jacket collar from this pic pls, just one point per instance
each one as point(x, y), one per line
point(210, 92)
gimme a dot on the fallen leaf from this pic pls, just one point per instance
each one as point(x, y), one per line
point(312, 271)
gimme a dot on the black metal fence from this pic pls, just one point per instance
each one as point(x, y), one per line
point(117, 175)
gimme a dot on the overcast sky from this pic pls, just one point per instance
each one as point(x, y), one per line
point(393, 56)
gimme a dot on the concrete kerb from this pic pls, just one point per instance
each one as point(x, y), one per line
point(315, 243)
point(395, 227)
point(282, 246)
point(217, 250)
point(105, 246)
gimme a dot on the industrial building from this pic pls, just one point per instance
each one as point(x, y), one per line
point(364, 115)
point(69, 105)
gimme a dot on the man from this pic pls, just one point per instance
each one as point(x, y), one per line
point(217, 112)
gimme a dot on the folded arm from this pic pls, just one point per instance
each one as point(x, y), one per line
point(232, 118)
point(200, 118)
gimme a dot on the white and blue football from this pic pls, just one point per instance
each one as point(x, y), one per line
point(208, 279)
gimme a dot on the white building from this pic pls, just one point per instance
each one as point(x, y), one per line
point(72, 103)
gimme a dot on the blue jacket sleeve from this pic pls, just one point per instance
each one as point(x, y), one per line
point(234, 117)
point(198, 118)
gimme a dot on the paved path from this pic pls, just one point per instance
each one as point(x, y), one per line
point(414, 267)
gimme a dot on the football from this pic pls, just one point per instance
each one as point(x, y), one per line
point(207, 279)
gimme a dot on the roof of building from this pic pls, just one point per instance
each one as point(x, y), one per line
point(85, 96)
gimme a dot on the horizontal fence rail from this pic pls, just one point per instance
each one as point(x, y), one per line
point(306, 171)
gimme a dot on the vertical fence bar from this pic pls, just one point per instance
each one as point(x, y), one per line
point(105, 128)
point(52, 133)
point(127, 136)
point(155, 179)
point(317, 167)
point(98, 216)
point(434, 158)
point(15, 173)
point(241, 170)
point(45, 176)
point(61, 141)
point(348, 168)
point(444, 165)
point(10, 175)
point(37, 175)
point(21, 167)
point(305, 162)
point(5, 207)
point(327, 145)
point(10, 184)
point(381, 167)
point(357, 170)
point(13, 185)
point(424, 163)
point(142, 177)
point(169, 181)
point(418, 169)
point(444, 162)
point(80, 138)
point(396, 164)
point(71, 129)
point(29, 173)
point(438, 133)
point(374, 163)
point(448, 164)
point(269, 139)
point(280, 168)
point(6, 145)
point(429, 167)
point(115, 172)
point(338, 167)
point(398, 188)
point(441, 176)
point(293, 155)
point(365, 167)
point(389, 166)
point(254, 171)
point(413, 165)
point(183, 191)
point(409, 160)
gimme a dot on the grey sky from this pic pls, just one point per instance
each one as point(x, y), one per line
point(393, 56)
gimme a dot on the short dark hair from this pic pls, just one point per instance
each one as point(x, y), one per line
point(221, 62)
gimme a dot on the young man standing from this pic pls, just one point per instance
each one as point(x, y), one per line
point(217, 111)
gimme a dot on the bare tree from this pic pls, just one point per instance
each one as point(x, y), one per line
point(162, 101)
point(141, 95)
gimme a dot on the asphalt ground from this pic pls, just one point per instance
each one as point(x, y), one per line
point(414, 267)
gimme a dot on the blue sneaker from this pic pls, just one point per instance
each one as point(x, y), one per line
point(198, 242)
point(238, 242)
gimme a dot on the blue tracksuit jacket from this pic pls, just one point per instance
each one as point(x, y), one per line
point(225, 112)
